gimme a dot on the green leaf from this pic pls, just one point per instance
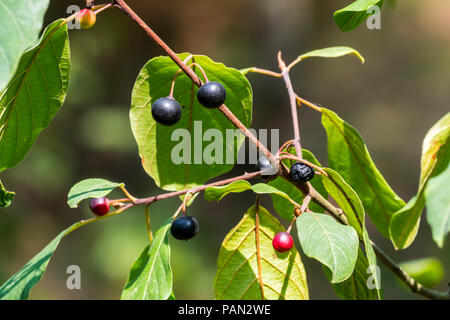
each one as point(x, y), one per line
point(285, 208)
point(194, 164)
point(21, 23)
point(151, 275)
point(6, 197)
point(435, 159)
point(346, 198)
point(331, 52)
point(355, 287)
point(35, 94)
point(19, 285)
point(282, 274)
point(334, 245)
point(438, 203)
point(355, 14)
point(217, 193)
point(348, 155)
point(427, 271)
point(373, 265)
point(90, 188)
point(349, 202)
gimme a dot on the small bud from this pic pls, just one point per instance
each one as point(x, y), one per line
point(86, 18)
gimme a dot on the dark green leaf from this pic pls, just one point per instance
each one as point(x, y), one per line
point(355, 14)
point(6, 197)
point(349, 202)
point(355, 287)
point(348, 155)
point(90, 188)
point(346, 198)
point(163, 156)
point(19, 285)
point(217, 193)
point(34, 96)
point(151, 275)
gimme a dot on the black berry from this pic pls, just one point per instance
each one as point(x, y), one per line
point(265, 166)
point(166, 111)
point(301, 172)
point(211, 95)
point(184, 228)
point(99, 206)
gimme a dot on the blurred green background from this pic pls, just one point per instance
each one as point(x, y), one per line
point(393, 99)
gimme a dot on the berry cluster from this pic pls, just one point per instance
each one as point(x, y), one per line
point(167, 111)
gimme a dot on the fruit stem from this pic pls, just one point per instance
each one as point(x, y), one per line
point(307, 103)
point(286, 155)
point(292, 223)
point(265, 72)
point(129, 196)
point(172, 89)
point(102, 8)
point(147, 220)
point(285, 145)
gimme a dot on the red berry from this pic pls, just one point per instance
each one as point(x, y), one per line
point(282, 242)
point(86, 18)
point(99, 206)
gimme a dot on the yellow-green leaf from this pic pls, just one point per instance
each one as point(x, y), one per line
point(435, 159)
point(249, 269)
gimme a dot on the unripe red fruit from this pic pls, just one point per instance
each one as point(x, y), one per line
point(282, 242)
point(86, 18)
point(99, 206)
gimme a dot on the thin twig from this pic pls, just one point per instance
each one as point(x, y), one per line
point(147, 220)
point(415, 286)
point(121, 4)
point(293, 103)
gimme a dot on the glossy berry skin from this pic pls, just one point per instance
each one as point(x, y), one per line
point(184, 228)
point(211, 95)
point(282, 242)
point(86, 18)
point(166, 111)
point(301, 172)
point(265, 166)
point(99, 206)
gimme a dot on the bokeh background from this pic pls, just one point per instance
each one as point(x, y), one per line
point(393, 99)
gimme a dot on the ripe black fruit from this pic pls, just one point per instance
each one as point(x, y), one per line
point(166, 111)
point(212, 95)
point(301, 172)
point(265, 166)
point(184, 228)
